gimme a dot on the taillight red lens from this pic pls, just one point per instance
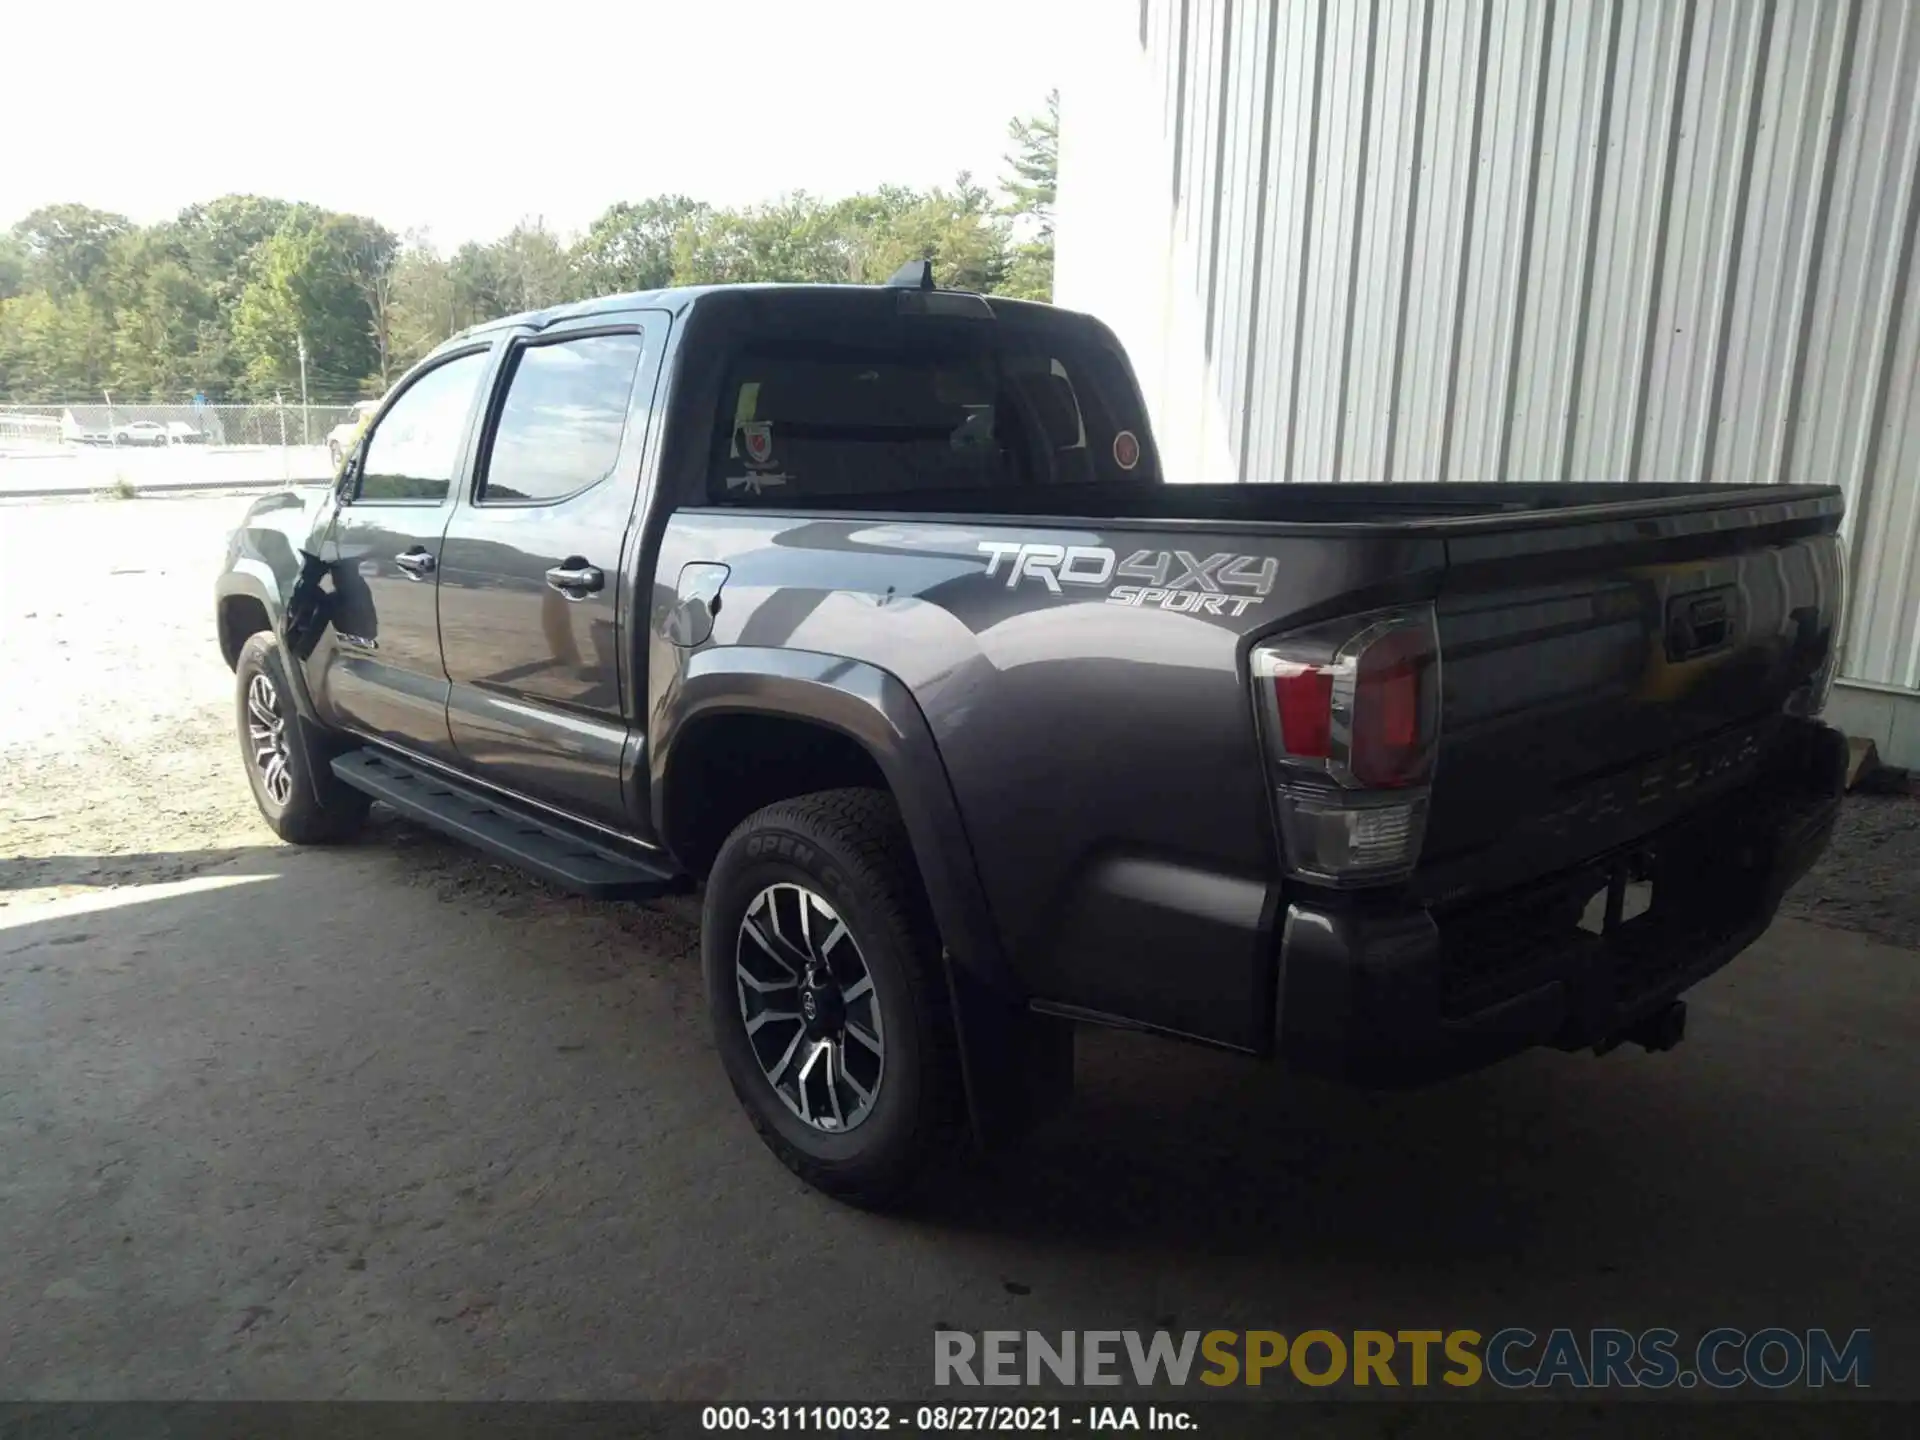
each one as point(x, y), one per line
point(1349, 710)
point(1305, 701)
point(1390, 744)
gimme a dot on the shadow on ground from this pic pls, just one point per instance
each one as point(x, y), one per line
point(46, 872)
point(351, 1122)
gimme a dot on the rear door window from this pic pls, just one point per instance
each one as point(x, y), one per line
point(925, 409)
point(562, 420)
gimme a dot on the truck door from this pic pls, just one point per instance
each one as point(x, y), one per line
point(533, 618)
point(378, 669)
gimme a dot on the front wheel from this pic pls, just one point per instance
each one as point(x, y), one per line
point(829, 1001)
point(276, 757)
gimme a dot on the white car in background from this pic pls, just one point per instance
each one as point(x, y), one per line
point(341, 437)
point(141, 432)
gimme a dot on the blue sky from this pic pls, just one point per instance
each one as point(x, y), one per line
point(463, 118)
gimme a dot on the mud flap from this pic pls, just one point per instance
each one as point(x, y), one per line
point(1017, 1066)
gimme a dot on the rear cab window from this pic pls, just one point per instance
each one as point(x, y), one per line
point(925, 404)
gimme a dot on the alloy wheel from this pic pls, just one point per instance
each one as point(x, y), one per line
point(808, 1003)
point(267, 730)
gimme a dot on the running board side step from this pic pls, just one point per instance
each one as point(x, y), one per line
point(535, 844)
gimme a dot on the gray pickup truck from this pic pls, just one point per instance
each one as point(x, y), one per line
point(867, 610)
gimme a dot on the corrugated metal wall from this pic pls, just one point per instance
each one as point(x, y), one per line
point(1526, 239)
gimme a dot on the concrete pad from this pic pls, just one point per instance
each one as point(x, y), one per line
point(316, 1130)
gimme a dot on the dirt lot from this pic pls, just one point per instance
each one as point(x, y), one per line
point(81, 470)
point(390, 1120)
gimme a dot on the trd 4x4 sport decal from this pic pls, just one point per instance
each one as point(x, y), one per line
point(1176, 580)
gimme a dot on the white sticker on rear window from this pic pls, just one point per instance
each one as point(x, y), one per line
point(756, 436)
point(757, 482)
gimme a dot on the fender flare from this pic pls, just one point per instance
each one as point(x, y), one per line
point(875, 710)
point(1007, 1053)
point(253, 579)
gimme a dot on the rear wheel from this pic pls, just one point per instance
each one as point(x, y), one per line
point(829, 1003)
point(273, 747)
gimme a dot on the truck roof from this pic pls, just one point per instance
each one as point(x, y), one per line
point(680, 297)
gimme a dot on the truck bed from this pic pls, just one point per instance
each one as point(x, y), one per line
point(1099, 729)
point(1424, 506)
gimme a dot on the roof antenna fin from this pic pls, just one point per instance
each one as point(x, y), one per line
point(914, 275)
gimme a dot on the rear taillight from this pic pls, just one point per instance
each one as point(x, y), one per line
point(1392, 711)
point(1809, 701)
point(1350, 712)
point(1305, 699)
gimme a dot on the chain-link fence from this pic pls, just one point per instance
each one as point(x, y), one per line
point(26, 427)
point(51, 450)
point(135, 424)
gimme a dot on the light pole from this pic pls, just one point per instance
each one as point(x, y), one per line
point(305, 437)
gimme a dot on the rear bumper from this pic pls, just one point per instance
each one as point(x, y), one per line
point(1408, 995)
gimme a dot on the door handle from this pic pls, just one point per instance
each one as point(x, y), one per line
point(576, 579)
point(416, 562)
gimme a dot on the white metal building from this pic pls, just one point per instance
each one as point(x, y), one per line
point(1526, 239)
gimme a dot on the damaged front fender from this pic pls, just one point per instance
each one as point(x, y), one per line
point(277, 559)
point(308, 609)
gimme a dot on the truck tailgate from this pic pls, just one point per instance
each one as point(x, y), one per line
point(1605, 671)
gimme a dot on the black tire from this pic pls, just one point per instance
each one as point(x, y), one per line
point(850, 848)
point(287, 801)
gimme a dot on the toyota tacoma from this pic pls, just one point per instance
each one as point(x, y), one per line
point(867, 612)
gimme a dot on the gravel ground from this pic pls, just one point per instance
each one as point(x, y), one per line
point(81, 470)
point(117, 758)
point(1869, 879)
point(118, 764)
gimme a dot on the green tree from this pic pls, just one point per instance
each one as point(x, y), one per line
point(1030, 187)
point(68, 245)
point(530, 270)
point(373, 266)
point(797, 238)
point(525, 269)
point(431, 298)
point(222, 239)
point(167, 339)
point(219, 299)
point(631, 245)
point(425, 307)
point(956, 229)
point(1034, 181)
point(308, 283)
point(13, 267)
point(53, 348)
point(480, 285)
point(220, 242)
